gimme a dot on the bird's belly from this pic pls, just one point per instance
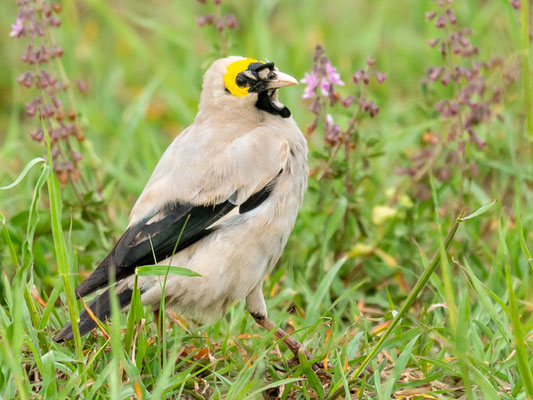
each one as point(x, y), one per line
point(232, 261)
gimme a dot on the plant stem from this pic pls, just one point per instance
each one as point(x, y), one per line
point(526, 72)
point(463, 139)
point(220, 33)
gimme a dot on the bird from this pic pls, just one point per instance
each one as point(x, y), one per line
point(222, 202)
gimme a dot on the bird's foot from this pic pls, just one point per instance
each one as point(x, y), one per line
point(294, 346)
point(299, 350)
point(295, 361)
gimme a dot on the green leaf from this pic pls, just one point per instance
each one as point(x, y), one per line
point(334, 221)
point(159, 270)
point(521, 354)
point(49, 375)
point(312, 379)
point(399, 366)
point(272, 385)
point(313, 310)
point(481, 210)
point(8, 240)
point(33, 217)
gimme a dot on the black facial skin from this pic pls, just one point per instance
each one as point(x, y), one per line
point(256, 79)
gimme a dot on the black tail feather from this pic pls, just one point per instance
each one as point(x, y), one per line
point(99, 278)
point(101, 308)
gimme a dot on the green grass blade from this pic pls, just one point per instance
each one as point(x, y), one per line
point(481, 210)
point(26, 169)
point(14, 366)
point(130, 327)
point(282, 382)
point(9, 242)
point(50, 305)
point(116, 344)
point(162, 270)
point(445, 266)
point(520, 339)
point(313, 310)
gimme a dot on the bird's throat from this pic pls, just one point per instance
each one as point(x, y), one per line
point(266, 102)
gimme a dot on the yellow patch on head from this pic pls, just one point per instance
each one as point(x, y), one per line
point(234, 69)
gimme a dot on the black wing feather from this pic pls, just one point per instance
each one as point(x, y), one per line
point(175, 227)
point(144, 241)
point(256, 199)
point(161, 236)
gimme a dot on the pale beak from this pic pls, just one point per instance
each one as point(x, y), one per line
point(281, 80)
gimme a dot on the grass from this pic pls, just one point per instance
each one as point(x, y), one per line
point(361, 290)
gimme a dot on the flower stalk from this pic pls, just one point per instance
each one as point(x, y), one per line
point(35, 21)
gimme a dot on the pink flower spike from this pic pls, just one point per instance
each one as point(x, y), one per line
point(17, 29)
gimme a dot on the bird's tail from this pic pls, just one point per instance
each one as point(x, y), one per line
point(100, 307)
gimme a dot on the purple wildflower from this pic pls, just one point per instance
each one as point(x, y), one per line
point(325, 87)
point(231, 21)
point(34, 20)
point(381, 77)
point(311, 80)
point(515, 4)
point(332, 130)
point(17, 29)
point(325, 74)
point(220, 22)
point(207, 19)
point(332, 75)
point(347, 102)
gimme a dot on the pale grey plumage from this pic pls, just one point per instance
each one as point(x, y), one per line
point(232, 152)
point(232, 148)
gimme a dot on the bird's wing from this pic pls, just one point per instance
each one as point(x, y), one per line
point(187, 194)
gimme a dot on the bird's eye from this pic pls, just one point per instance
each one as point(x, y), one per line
point(271, 75)
point(241, 80)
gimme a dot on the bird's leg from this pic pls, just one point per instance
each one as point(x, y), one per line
point(255, 304)
point(294, 346)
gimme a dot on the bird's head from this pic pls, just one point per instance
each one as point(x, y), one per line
point(245, 82)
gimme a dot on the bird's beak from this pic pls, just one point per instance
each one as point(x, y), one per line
point(281, 80)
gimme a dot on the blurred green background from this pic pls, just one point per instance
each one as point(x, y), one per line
point(143, 62)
